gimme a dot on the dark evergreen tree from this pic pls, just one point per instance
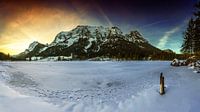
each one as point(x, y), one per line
point(197, 29)
point(59, 58)
point(8, 56)
point(191, 42)
point(188, 42)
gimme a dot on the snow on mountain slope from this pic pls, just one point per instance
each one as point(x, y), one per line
point(115, 31)
point(32, 46)
point(89, 41)
point(94, 32)
point(91, 33)
point(135, 36)
point(97, 87)
point(43, 49)
point(72, 36)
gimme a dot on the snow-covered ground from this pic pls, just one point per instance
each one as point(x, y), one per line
point(92, 86)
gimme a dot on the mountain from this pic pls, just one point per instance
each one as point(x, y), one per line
point(168, 51)
point(33, 50)
point(86, 42)
point(4, 56)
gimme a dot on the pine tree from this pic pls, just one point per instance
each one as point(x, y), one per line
point(59, 58)
point(8, 56)
point(188, 42)
point(197, 29)
point(191, 42)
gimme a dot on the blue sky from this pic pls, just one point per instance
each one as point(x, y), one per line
point(161, 22)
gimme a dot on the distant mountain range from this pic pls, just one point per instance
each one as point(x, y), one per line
point(86, 42)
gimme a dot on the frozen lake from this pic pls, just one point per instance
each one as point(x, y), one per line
point(89, 86)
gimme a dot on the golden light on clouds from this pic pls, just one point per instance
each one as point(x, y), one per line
point(38, 24)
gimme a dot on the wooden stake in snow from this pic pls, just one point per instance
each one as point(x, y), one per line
point(162, 84)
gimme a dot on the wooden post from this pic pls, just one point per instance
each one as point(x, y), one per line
point(162, 84)
point(161, 75)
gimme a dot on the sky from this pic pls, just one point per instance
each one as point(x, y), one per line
point(161, 22)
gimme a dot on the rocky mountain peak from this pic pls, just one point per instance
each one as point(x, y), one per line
point(135, 36)
point(33, 45)
point(115, 31)
point(89, 41)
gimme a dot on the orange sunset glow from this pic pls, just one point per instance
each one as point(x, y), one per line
point(38, 23)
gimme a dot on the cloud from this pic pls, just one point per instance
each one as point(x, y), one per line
point(154, 23)
point(164, 39)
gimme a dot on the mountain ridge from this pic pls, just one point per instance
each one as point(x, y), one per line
point(86, 42)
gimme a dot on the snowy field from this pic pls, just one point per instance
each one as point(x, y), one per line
point(89, 86)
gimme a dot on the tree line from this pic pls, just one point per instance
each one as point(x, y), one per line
point(4, 56)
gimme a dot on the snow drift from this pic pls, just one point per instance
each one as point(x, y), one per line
point(96, 87)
